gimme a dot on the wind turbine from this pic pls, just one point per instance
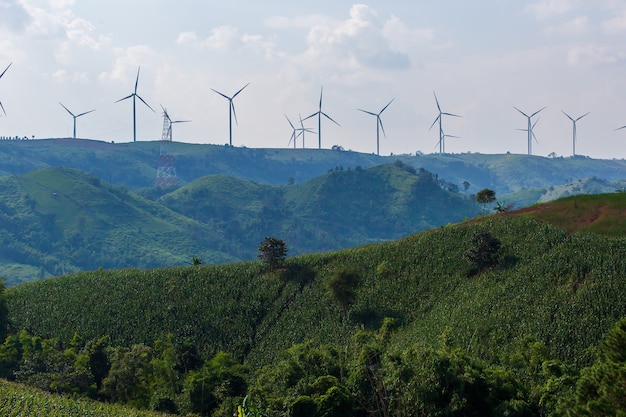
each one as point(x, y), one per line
point(319, 115)
point(231, 111)
point(294, 136)
point(5, 70)
point(167, 125)
point(75, 116)
point(530, 128)
point(303, 129)
point(442, 136)
point(379, 124)
point(134, 96)
point(574, 129)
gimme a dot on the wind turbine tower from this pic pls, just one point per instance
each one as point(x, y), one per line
point(530, 128)
point(379, 125)
point(5, 70)
point(303, 129)
point(75, 116)
point(319, 115)
point(166, 170)
point(442, 136)
point(135, 96)
point(574, 129)
point(231, 111)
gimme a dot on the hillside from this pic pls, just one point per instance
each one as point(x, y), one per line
point(55, 221)
point(134, 165)
point(58, 220)
point(565, 290)
point(339, 209)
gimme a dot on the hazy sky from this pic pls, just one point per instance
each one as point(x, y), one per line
point(481, 58)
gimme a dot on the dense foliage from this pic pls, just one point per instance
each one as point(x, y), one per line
point(58, 221)
point(414, 337)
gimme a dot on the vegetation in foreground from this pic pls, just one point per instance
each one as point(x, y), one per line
point(19, 400)
point(416, 332)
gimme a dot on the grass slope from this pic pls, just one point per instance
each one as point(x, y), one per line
point(58, 220)
point(563, 289)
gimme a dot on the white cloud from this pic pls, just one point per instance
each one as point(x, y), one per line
point(543, 9)
point(588, 55)
point(616, 25)
point(402, 38)
point(227, 39)
point(356, 42)
point(128, 61)
point(578, 26)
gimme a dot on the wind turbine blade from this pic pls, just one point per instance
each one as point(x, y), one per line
point(534, 137)
point(129, 96)
point(144, 102)
point(321, 92)
point(437, 118)
point(84, 113)
point(329, 118)
point(437, 101)
point(308, 117)
point(619, 128)
point(451, 114)
point(5, 113)
point(520, 111)
point(167, 116)
point(232, 106)
point(381, 126)
point(221, 94)
point(582, 116)
point(180, 121)
point(137, 80)
point(235, 95)
point(537, 112)
point(290, 124)
point(568, 116)
point(5, 70)
point(368, 112)
point(534, 124)
point(66, 109)
point(379, 113)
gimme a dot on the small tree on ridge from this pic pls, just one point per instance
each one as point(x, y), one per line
point(272, 252)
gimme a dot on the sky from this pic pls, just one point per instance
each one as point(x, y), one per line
point(480, 58)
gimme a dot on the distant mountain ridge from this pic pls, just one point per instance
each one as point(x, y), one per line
point(134, 165)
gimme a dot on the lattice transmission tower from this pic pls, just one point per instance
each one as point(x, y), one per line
point(166, 172)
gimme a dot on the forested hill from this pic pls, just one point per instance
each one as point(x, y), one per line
point(510, 337)
point(58, 220)
point(134, 165)
point(55, 221)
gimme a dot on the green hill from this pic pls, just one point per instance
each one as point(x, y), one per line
point(509, 339)
point(563, 289)
point(55, 221)
point(58, 220)
point(339, 209)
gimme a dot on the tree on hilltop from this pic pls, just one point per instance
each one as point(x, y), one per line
point(486, 196)
point(272, 252)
